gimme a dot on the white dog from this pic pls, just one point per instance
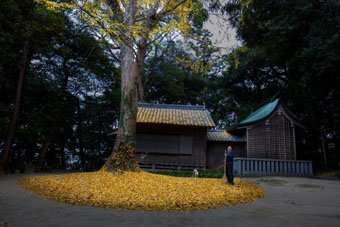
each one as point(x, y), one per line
point(195, 173)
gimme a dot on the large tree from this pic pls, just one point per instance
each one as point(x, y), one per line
point(131, 26)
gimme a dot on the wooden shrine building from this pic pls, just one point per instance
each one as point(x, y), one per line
point(183, 136)
point(269, 132)
point(172, 136)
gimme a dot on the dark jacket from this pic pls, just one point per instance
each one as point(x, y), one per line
point(230, 158)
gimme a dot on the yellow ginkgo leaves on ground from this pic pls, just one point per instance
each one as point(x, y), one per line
point(142, 190)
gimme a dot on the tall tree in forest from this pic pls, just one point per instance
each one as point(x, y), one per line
point(11, 130)
point(21, 23)
point(77, 55)
point(131, 26)
point(299, 44)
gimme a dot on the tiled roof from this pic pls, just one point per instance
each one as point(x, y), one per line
point(222, 135)
point(174, 114)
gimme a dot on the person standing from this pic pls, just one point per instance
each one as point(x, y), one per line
point(229, 159)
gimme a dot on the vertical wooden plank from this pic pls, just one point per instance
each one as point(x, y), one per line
point(255, 165)
point(294, 167)
point(268, 167)
point(281, 167)
point(248, 166)
point(247, 144)
point(306, 169)
point(294, 143)
point(251, 165)
point(302, 168)
point(298, 168)
point(264, 163)
point(310, 169)
point(277, 167)
point(243, 166)
point(236, 167)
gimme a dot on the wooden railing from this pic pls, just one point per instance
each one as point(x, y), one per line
point(258, 167)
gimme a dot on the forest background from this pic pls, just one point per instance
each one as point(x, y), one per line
point(70, 94)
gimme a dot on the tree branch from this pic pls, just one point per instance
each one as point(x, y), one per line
point(161, 14)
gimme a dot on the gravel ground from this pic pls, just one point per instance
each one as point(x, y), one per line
point(289, 201)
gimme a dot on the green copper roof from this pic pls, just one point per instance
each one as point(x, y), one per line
point(261, 112)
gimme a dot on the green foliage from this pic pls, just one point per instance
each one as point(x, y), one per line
point(66, 65)
point(293, 48)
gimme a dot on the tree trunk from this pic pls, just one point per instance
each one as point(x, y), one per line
point(51, 133)
point(323, 147)
point(62, 157)
point(80, 137)
point(11, 130)
point(123, 155)
point(140, 62)
point(141, 90)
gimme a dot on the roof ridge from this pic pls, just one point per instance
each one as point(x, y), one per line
point(261, 112)
point(172, 106)
point(264, 103)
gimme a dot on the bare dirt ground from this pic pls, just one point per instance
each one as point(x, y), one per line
point(289, 202)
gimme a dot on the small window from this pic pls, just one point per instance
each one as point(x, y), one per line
point(186, 144)
point(155, 143)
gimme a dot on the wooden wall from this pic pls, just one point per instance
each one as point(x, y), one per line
point(274, 139)
point(215, 152)
point(148, 156)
